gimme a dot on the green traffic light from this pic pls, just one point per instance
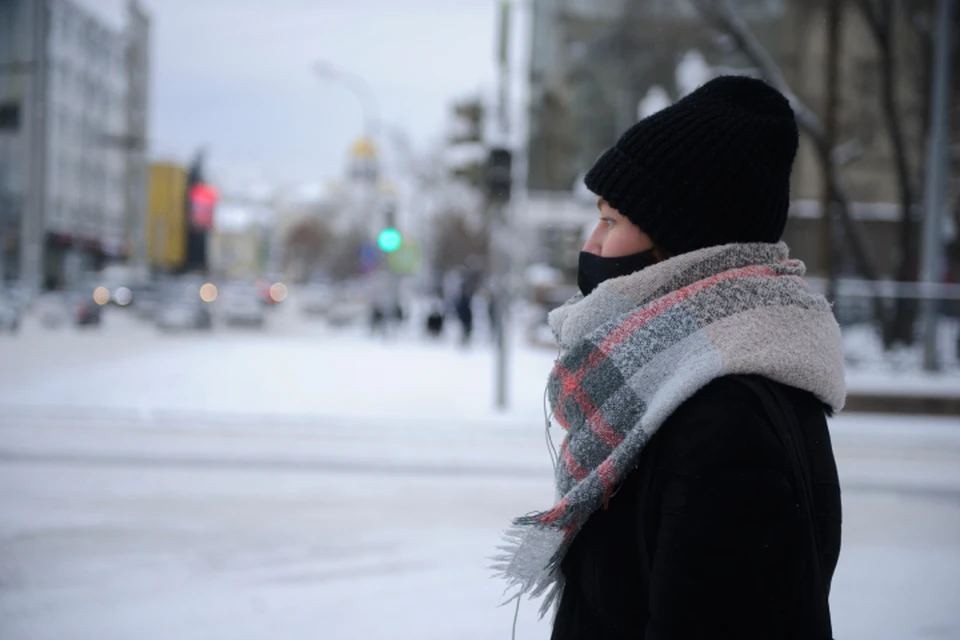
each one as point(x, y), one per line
point(389, 240)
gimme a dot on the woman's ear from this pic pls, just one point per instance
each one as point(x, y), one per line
point(661, 254)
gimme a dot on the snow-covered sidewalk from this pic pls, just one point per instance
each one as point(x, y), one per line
point(245, 486)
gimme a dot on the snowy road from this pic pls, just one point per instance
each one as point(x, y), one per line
point(299, 484)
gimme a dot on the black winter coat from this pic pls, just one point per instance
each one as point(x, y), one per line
point(705, 538)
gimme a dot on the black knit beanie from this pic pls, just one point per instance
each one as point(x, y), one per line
point(711, 169)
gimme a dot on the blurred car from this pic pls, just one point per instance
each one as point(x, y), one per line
point(351, 306)
point(239, 304)
point(146, 299)
point(271, 290)
point(316, 299)
point(9, 316)
point(115, 285)
point(184, 305)
point(86, 311)
point(348, 313)
point(112, 293)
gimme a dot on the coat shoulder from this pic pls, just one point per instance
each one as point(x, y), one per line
point(723, 425)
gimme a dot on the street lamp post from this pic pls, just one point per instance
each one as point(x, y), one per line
point(359, 88)
point(364, 94)
point(937, 169)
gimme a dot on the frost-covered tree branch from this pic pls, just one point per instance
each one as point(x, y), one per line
point(723, 16)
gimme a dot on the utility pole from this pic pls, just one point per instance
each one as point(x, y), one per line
point(935, 188)
point(32, 219)
point(499, 180)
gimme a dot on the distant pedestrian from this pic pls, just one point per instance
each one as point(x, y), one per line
point(378, 320)
point(698, 492)
point(435, 319)
point(435, 324)
point(464, 309)
point(492, 315)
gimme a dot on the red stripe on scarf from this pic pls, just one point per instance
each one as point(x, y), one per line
point(608, 476)
point(578, 472)
point(551, 516)
point(570, 529)
point(625, 329)
point(600, 427)
point(570, 384)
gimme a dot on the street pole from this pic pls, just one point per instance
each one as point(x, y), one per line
point(32, 218)
point(501, 222)
point(360, 90)
point(367, 99)
point(934, 192)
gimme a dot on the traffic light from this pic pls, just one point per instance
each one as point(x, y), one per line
point(469, 116)
point(389, 240)
point(499, 175)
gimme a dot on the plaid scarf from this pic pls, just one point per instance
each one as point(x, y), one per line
point(636, 348)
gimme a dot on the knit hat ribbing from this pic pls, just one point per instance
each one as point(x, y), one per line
point(711, 169)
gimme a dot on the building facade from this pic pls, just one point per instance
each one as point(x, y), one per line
point(595, 64)
point(74, 165)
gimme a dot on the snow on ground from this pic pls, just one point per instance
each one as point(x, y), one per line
point(870, 369)
point(320, 373)
point(300, 483)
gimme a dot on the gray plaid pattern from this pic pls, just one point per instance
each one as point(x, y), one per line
point(639, 346)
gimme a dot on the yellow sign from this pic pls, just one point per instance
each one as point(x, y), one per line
point(406, 260)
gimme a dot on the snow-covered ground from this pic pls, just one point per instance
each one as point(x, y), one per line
point(300, 483)
point(872, 370)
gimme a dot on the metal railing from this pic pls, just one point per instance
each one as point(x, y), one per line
point(897, 341)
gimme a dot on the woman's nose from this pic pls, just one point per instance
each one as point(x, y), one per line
point(594, 244)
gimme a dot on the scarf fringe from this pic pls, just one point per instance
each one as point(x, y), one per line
point(530, 562)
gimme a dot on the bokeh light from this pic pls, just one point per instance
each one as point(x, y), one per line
point(208, 292)
point(278, 292)
point(123, 296)
point(101, 295)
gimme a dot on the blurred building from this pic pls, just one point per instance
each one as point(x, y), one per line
point(72, 146)
point(166, 219)
point(240, 239)
point(136, 112)
point(597, 66)
point(594, 61)
point(871, 175)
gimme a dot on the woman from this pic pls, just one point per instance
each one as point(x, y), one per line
point(698, 493)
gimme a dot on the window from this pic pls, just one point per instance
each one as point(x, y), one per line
point(9, 116)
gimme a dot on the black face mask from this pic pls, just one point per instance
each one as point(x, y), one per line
point(594, 269)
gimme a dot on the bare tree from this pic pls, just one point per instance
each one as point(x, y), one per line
point(342, 259)
point(306, 244)
point(456, 241)
point(831, 108)
point(724, 17)
point(879, 16)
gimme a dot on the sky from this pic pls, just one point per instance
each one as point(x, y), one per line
point(235, 76)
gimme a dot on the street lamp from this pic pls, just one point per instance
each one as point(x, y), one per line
point(359, 88)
